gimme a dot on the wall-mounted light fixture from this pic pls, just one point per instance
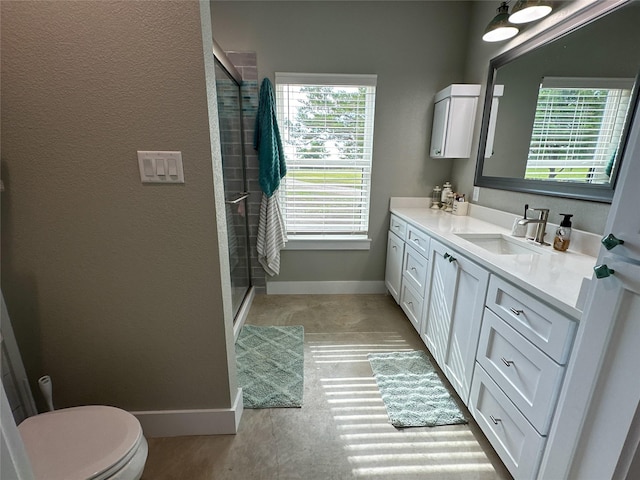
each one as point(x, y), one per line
point(499, 28)
point(504, 26)
point(525, 11)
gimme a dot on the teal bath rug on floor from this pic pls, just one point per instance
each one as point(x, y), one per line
point(271, 366)
point(412, 392)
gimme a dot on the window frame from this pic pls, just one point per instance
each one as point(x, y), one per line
point(332, 240)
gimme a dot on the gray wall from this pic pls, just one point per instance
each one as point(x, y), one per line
point(114, 288)
point(415, 49)
point(589, 216)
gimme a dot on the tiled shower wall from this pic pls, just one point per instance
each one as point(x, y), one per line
point(246, 63)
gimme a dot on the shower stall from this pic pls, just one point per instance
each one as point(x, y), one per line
point(230, 111)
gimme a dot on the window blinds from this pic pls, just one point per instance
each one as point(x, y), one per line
point(326, 125)
point(577, 128)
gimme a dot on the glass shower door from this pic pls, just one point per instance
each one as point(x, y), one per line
point(235, 185)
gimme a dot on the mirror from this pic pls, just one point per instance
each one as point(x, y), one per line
point(557, 119)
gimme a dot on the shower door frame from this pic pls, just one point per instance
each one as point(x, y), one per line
point(241, 315)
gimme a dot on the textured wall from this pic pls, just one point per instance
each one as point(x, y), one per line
point(114, 288)
point(415, 49)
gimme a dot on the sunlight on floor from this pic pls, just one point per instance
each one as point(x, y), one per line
point(373, 446)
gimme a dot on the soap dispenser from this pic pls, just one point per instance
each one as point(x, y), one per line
point(563, 234)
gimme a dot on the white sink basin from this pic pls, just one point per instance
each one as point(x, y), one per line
point(499, 244)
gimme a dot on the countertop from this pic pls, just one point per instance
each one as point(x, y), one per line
point(554, 277)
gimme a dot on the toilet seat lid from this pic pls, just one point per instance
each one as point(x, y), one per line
point(79, 442)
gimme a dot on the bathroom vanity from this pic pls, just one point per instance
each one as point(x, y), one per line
point(498, 315)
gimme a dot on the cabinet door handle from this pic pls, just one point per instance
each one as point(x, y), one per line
point(448, 256)
point(508, 363)
point(494, 419)
point(610, 241)
point(603, 271)
point(515, 311)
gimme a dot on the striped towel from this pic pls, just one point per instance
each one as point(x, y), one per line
point(272, 235)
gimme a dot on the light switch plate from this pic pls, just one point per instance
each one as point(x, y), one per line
point(476, 194)
point(160, 167)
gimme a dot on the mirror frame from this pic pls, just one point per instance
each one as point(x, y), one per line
point(589, 192)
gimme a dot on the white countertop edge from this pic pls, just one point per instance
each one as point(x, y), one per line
point(555, 277)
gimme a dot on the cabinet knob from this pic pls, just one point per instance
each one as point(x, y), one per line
point(494, 419)
point(610, 241)
point(603, 271)
point(448, 256)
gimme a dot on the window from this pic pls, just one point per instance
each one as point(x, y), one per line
point(577, 128)
point(326, 124)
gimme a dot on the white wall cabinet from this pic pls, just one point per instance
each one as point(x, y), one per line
point(453, 315)
point(454, 117)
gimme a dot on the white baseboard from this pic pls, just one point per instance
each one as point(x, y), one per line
point(173, 423)
point(283, 288)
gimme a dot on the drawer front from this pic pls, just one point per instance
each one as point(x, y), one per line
point(411, 302)
point(530, 379)
point(514, 439)
point(418, 240)
point(398, 226)
point(543, 326)
point(414, 269)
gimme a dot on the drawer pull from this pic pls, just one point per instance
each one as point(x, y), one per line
point(494, 419)
point(515, 311)
point(508, 363)
point(394, 247)
point(416, 241)
point(410, 304)
point(413, 269)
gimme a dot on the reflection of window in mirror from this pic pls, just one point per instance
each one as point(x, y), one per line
point(577, 128)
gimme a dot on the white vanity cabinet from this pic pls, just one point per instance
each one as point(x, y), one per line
point(415, 274)
point(454, 115)
point(523, 348)
point(453, 314)
point(395, 256)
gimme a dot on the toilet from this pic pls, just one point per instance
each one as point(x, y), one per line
point(84, 443)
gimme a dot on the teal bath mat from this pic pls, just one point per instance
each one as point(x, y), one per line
point(412, 391)
point(271, 366)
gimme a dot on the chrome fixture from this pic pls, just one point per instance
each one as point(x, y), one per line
point(541, 221)
point(525, 11)
point(499, 28)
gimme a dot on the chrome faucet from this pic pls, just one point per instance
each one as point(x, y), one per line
point(541, 221)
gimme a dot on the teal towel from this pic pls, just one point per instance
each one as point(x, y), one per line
point(267, 142)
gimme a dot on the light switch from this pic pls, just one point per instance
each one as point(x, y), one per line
point(148, 167)
point(160, 167)
point(172, 169)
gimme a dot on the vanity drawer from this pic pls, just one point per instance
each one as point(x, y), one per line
point(414, 269)
point(411, 302)
point(530, 379)
point(398, 226)
point(543, 326)
point(418, 240)
point(511, 435)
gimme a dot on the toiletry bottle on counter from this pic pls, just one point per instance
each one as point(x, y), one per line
point(446, 190)
point(563, 234)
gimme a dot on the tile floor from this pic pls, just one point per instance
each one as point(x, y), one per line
point(342, 430)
